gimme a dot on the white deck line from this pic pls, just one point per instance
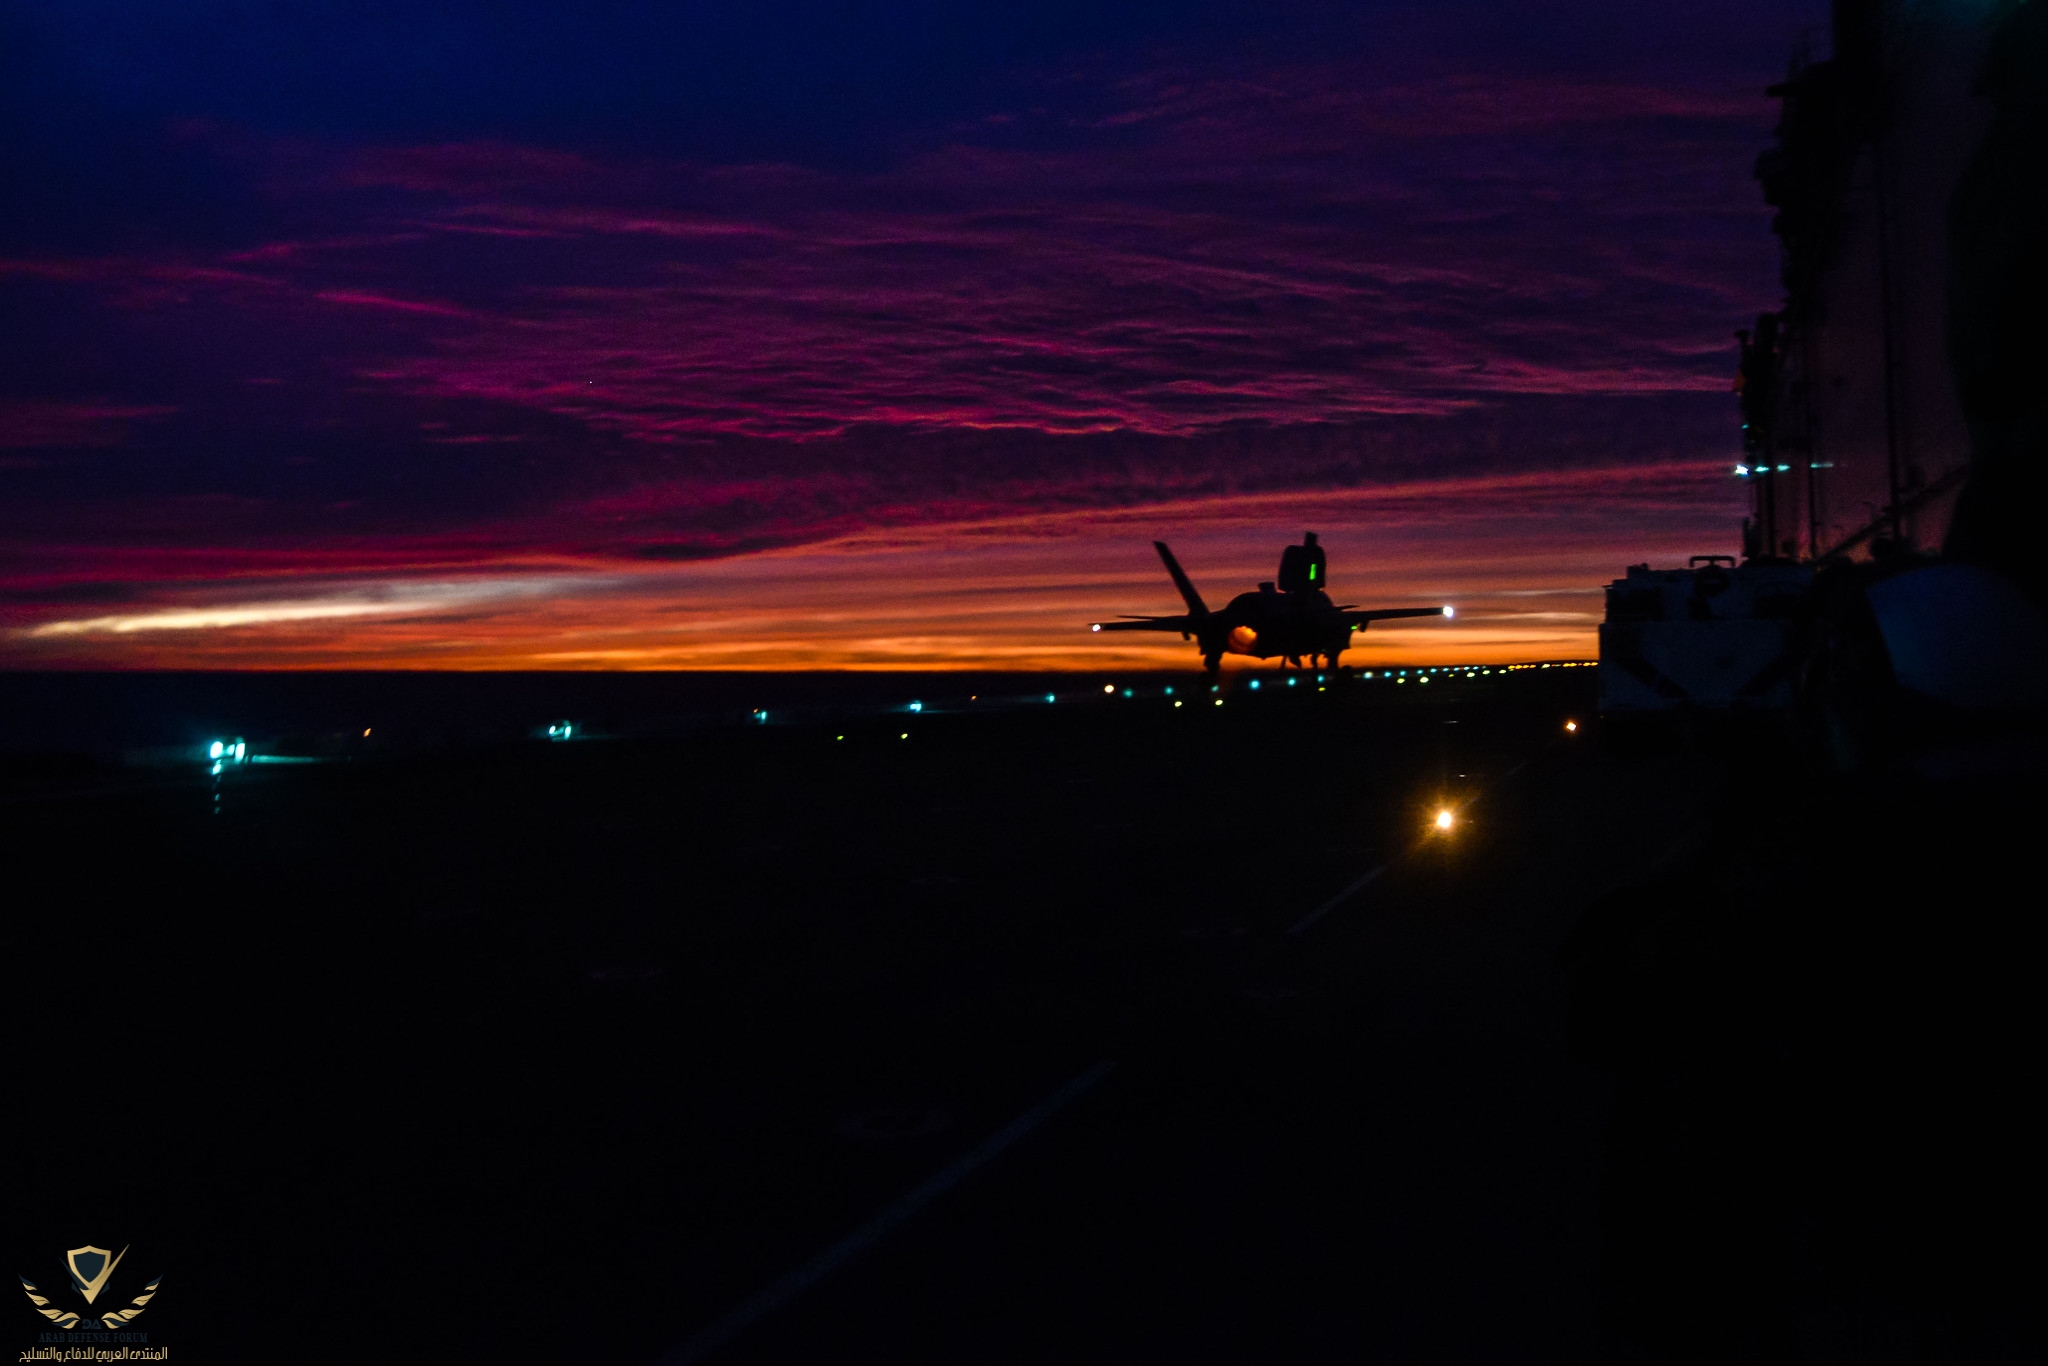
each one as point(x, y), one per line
point(1319, 912)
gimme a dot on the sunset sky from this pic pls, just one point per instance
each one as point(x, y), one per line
point(818, 335)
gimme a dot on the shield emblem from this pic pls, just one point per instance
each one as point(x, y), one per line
point(90, 1267)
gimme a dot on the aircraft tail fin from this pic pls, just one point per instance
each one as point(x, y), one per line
point(1180, 580)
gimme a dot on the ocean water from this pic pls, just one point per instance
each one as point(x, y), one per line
point(160, 717)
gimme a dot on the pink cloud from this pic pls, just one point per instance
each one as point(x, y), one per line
point(1252, 260)
point(28, 423)
point(360, 299)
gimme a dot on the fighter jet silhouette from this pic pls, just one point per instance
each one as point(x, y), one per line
point(1292, 620)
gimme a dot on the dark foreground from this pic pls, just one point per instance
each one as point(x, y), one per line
point(1018, 1039)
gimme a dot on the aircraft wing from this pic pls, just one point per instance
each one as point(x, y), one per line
point(1393, 613)
point(1182, 624)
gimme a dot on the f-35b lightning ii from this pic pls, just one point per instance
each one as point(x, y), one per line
point(1292, 619)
